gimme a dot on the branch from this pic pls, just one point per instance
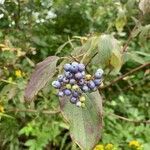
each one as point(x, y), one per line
point(128, 73)
point(34, 111)
point(130, 120)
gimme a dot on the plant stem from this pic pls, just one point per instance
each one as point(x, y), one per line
point(130, 120)
point(123, 76)
point(34, 111)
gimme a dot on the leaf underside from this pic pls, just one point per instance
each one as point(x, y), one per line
point(85, 123)
point(44, 71)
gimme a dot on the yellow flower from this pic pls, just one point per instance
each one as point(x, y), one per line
point(1, 109)
point(18, 73)
point(109, 147)
point(99, 147)
point(134, 144)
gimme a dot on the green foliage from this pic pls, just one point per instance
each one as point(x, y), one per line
point(94, 32)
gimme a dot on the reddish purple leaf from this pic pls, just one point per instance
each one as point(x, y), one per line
point(44, 71)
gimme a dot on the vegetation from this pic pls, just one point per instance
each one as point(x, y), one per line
point(109, 34)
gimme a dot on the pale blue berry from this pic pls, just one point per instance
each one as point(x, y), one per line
point(56, 84)
point(73, 100)
point(67, 92)
point(81, 67)
point(72, 81)
point(60, 78)
point(67, 67)
point(78, 75)
point(97, 82)
point(68, 74)
point(91, 84)
point(65, 80)
point(85, 88)
point(60, 94)
point(81, 82)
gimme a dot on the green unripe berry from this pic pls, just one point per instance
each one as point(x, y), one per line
point(82, 105)
point(68, 86)
point(82, 99)
point(75, 87)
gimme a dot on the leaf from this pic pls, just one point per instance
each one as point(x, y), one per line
point(88, 49)
point(44, 71)
point(135, 57)
point(145, 33)
point(85, 123)
point(39, 41)
point(106, 45)
point(121, 20)
point(144, 6)
point(116, 60)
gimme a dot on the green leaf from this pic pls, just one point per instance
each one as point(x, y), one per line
point(116, 60)
point(44, 71)
point(120, 22)
point(85, 123)
point(135, 57)
point(107, 46)
point(145, 32)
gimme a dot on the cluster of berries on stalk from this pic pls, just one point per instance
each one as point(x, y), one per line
point(74, 82)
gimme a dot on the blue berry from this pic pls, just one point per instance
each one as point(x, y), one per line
point(75, 63)
point(68, 74)
point(56, 84)
point(72, 81)
point(97, 82)
point(67, 67)
point(74, 67)
point(85, 88)
point(98, 73)
point(83, 73)
point(65, 80)
point(81, 82)
point(60, 94)
point(67, 92)
point(81, 67)
point(75, 94)
point(73, 100)
point(91, 84)
point(60, 78)
point(78, 75)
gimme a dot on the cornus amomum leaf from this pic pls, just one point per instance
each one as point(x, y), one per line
point(85, 123)
point(44, 71)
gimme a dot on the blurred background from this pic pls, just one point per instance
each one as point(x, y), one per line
point(30, 31)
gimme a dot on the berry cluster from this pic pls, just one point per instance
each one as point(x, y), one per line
point(75, 82)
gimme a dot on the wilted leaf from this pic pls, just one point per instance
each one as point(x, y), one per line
point(85, 123)
point(144, 6)
point(44, 71)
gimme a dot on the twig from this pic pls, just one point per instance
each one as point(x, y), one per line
point(34, 111)
point(128, 73)
point(130, 120)
point(124, 49)
point(91, 58)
